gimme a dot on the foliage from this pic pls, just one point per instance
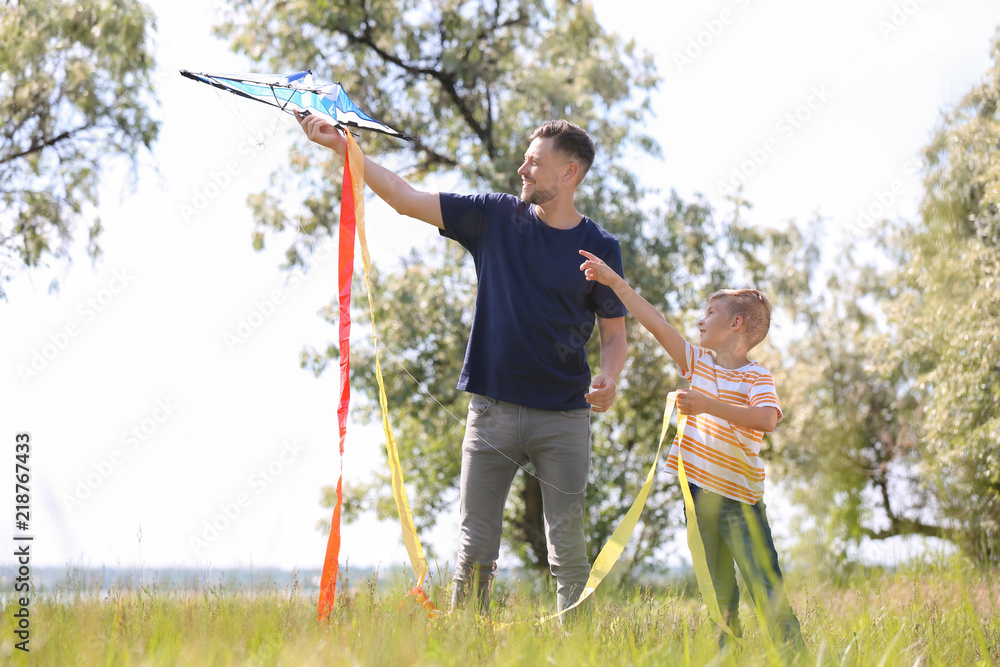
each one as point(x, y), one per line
point(949, 281)
point(75, 85)
point(894, 411)
point(848, 442)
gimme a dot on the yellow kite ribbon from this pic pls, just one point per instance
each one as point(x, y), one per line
point(612, 551)
point(695, 544)
point(410, 538)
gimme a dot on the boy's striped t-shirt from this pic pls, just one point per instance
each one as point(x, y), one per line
point(720, 456)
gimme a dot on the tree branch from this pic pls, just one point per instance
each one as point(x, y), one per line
point(36, 147)
point(433, 157)
point(883, 487)
point(901, 525)
point(447, 81)
point(909, 527)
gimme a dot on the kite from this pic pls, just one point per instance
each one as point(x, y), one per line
point(298, 93)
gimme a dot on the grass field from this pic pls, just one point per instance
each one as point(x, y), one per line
point(927, 615)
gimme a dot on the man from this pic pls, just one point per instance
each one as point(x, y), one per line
point(525, 364)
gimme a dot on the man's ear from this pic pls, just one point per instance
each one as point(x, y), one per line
point(571, 172)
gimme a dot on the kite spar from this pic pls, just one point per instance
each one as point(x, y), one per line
point(298, 92)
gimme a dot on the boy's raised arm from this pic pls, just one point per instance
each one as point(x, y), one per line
point(392, 189)
point(595, 269)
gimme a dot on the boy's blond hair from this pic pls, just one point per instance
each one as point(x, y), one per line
point(753, 307)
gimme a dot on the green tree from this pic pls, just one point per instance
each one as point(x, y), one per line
point(894, 413)
point(468, 80)
point(950, 314)
point(849, 441)
point(74, 91)
point(471, 80)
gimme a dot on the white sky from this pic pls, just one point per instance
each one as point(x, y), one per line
point(139, 340)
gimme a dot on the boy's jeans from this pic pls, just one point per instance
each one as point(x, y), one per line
point(736, 532)
point(499, 437)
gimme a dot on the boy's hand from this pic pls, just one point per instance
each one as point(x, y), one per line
point(323, 133)
point(691, 402)
point(595, 269)
point(604, 392)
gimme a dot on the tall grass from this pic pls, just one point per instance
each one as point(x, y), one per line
point(928, 615)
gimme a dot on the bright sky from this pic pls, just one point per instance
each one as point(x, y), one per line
point(147, 425)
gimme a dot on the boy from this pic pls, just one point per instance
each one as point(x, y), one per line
point(731, 403)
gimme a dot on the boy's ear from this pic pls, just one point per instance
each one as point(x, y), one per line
point(737, 323)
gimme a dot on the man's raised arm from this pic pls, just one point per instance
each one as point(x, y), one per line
point(392, 189)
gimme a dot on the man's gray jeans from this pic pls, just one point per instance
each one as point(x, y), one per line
point(499, 438)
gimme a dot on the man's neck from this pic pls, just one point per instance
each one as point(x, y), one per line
point(559, 214)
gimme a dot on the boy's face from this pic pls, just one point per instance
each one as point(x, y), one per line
point(715, 325)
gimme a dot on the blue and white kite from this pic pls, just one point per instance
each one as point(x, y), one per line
point(298, 92)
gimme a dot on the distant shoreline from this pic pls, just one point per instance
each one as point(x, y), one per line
point(73, 581)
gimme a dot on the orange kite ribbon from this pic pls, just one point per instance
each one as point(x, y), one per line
point(351, 209)
point(352, 221)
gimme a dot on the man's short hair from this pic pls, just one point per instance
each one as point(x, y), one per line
point(753, 307)
point(571, 140)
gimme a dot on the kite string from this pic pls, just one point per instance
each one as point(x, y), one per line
point(423, 388)
point(261, 141)
point(280, 105)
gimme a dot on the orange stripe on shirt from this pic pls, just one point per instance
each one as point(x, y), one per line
point(711, 427)
point(723, 460)
point(730, 433)
point(734, 397)
point(712, 482)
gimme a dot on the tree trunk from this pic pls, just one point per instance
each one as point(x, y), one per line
point(531, 525)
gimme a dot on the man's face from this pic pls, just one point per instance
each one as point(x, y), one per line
point(541, 172)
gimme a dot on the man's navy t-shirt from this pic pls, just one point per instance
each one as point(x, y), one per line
point(535, 309)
